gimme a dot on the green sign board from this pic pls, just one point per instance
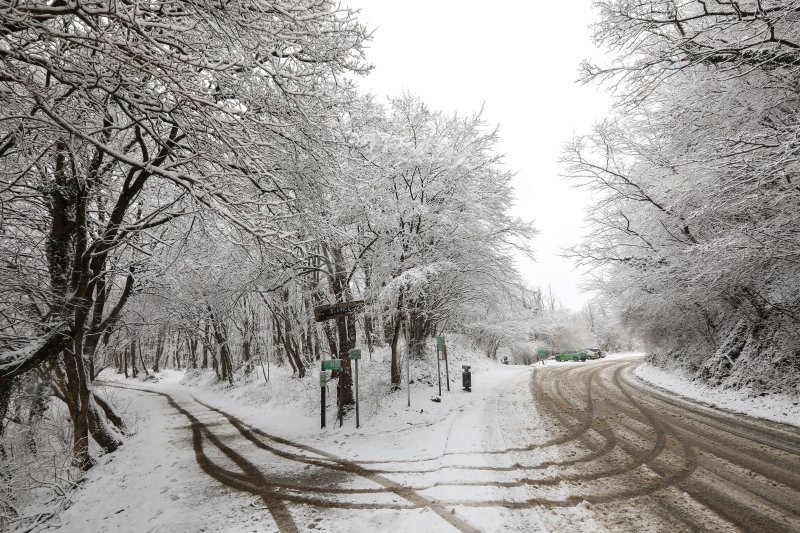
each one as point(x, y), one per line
point(355, 353)
point(331, 364)
point(323, 378)
point(441, 349)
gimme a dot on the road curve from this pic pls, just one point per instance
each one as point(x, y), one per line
point(647, 459)
point(640, 458)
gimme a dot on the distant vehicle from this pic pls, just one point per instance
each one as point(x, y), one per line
point(572, 356)
point(594, 353)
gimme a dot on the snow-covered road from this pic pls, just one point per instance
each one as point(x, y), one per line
point(561, 447)
point(649, 460)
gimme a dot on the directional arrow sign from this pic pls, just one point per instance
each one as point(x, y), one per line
point(330, 311)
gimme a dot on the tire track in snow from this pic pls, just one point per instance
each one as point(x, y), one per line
point(251, 476)
point(738, 471)
point(688, 467)
point(769, 504)
point(252, 481)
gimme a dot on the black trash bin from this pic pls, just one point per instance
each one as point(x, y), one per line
point(466, 378)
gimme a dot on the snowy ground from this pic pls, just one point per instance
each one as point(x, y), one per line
point(774, 407)
point(428, 467)
point(207, 457)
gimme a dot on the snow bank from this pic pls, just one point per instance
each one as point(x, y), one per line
point(283, 391)
point(775, 407)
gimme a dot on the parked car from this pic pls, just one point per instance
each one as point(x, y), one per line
point(594, 353)
point(571, 356)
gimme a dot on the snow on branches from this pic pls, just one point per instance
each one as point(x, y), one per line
point(695, 231)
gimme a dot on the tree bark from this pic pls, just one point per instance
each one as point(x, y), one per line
point(159, 350)
point(6, 385)
point(398, 319)
point(100, 429)
point(206, 343)
point(78, 396)
point(134, 370)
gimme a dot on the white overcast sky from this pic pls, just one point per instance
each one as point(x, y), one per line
point(520, 60)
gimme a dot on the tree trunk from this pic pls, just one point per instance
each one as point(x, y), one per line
point(192, 341)
point(215, 364)
point(285, 339)
point(141, 360)
point(110, 413)
point(206, 343)
point(417, 330)
point(177, 353)
point(346, 327)
point(78, 397)
point(6, 385)
point(159, 350)
point(246, 355)
point(134, 370)
point(100, 429)
point(369, 332)
point(398, 318)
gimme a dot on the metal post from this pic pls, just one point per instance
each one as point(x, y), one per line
point(322, 397)
point(357, 421)
point(439, 368)
point(408, 386)
point(446, 366)
point(339, 395)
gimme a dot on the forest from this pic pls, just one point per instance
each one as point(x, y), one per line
point(181, 184)
point(695, 235)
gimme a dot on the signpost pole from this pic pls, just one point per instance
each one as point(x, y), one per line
point(439, 368)
point(408, 387)
point(446, 365)
point(339, 394)
point(355, 355)
point(327, 364)
point(357, 421)
point(322, 398)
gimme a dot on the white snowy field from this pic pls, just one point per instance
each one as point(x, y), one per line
point(443, 463)
point(208, 457)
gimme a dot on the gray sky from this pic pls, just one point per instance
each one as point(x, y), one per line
point(520, 60)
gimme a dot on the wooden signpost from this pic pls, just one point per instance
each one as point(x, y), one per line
point(330, 312)
point(337, 310)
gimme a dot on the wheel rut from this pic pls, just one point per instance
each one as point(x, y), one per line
point(250, 479)
point(633, 447)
